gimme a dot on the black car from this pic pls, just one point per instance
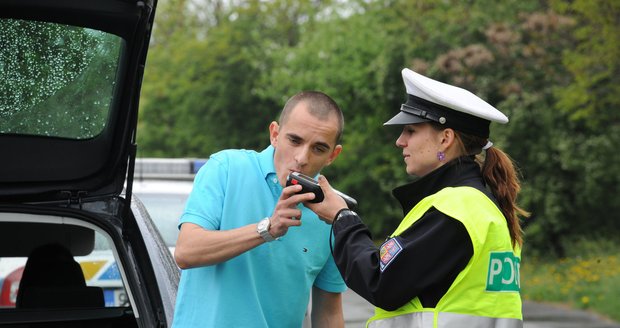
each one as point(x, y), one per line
point(76, 249)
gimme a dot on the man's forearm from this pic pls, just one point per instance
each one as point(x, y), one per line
point(197, 246)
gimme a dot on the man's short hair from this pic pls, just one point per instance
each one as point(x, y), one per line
point(319, 105)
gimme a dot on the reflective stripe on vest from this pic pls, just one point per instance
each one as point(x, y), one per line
point(445, 320)
point(486, 292)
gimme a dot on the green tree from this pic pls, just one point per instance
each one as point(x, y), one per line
point(524, 68)
point(592, 94)
point(205, 96)
point(216, 82)
point(516, 65)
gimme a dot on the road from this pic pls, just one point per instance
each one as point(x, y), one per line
point(535, 315)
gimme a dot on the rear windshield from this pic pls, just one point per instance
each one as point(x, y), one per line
point(56, 80)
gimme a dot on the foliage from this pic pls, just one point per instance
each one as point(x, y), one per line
point(592, 95)
point(216, 80)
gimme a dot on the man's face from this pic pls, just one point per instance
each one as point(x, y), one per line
point(304, 143)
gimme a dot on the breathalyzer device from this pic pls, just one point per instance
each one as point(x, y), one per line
point(308, 184)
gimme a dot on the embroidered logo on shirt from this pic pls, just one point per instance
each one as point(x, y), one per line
point(388, 252)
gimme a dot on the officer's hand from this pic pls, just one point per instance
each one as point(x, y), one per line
point(331, 204)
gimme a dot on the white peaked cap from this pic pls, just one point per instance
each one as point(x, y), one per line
point(454, 107)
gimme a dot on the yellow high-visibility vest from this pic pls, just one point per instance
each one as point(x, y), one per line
point(486, 292)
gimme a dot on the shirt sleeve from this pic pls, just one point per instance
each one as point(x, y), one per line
point(206, 200)
point(422, 262)
point(329, 279)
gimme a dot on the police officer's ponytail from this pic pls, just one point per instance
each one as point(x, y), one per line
point(499, 173)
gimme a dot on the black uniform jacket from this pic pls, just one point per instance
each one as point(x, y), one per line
point(434, 250)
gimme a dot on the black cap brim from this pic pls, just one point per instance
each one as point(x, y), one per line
point(404, 118)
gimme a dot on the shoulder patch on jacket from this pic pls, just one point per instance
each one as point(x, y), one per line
point(388, 252)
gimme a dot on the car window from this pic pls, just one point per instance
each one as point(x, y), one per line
point(51, 284)
point(101, 270)
point(56, 80)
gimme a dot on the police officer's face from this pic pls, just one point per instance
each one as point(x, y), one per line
point(420, 144)
point(304, 143)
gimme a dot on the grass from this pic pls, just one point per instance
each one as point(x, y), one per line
point(589, 282)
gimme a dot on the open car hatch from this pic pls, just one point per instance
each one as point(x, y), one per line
point(71, 74)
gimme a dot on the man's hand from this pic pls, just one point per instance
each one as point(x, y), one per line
point(286, 213)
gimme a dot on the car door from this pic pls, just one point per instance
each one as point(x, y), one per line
point(71, 76)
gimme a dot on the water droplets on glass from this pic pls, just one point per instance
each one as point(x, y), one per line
point(58, 79)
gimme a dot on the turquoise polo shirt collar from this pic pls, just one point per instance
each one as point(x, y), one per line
point(268, 171)
point(265, 160)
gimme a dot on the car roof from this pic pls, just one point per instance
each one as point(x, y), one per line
point(46, 167)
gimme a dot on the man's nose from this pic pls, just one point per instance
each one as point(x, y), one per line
point(302, 156)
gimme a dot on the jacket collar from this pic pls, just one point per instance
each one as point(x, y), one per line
point(462, 171)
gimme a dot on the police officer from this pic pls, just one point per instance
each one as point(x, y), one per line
point(454, 259)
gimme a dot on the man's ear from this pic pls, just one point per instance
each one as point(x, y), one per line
point(334, 154)
point(274, 130)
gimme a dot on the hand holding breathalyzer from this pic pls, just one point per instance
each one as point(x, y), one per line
point(308, 184)
point(326, 200)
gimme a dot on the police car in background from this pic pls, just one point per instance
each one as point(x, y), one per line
point(163, 185)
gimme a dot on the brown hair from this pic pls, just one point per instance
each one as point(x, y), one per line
point(320, 106)
point(500, 174)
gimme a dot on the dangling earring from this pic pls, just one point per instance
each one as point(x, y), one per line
point(441, 156)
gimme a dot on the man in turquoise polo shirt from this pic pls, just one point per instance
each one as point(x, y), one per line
point(250, 251)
